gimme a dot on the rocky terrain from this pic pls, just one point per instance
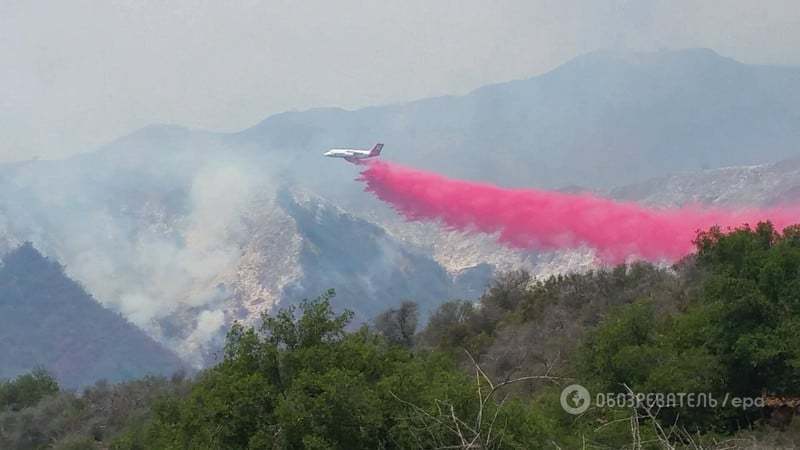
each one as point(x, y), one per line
point(184, 231)
point(760, 185)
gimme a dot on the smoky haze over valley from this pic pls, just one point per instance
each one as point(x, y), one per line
point(184, 231)
point(79, 74)
point(399, 224)
point(169, 156)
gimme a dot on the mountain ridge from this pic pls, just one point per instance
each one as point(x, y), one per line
point(183, 231)
point(49, 321)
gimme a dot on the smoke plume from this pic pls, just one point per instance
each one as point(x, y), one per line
point(151, 231)
point(546, 220)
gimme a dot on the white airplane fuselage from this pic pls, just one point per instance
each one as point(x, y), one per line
point(354, 154)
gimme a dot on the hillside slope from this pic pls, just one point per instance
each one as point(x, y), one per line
point(600, 120)
point(183, 231)
point(49, 321)
point(758, 185)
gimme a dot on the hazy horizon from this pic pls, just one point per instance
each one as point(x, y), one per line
point(79, 75)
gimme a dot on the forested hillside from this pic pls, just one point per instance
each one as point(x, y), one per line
point(49, 321)
point(190, 230)
point(489, 374)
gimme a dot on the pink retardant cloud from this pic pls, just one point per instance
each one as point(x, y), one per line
point(546, 220)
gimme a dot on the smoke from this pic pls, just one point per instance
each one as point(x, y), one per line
point(156, 237)
point(546, 220)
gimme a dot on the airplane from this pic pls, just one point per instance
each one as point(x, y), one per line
point(353, 155)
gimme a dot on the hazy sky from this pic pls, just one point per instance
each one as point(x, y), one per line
point(75, 73)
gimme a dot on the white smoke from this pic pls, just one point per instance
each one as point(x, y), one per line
point(146, 277)
point(153, 246)
point(209, 324)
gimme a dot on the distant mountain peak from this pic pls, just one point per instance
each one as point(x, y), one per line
point(640, 57)
point(129, 219)
point(48, 320)
point(159, 130)
point(26, 258)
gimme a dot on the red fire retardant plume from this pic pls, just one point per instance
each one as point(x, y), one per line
point(545, 220)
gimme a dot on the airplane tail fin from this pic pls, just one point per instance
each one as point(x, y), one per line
point(376, 150)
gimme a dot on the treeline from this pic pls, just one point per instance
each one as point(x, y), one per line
point(36, 414)
point(722, 322)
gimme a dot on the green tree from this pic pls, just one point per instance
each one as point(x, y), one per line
point(399, 325)
point(301, 381)
point(26, 390)
point(736, 337)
